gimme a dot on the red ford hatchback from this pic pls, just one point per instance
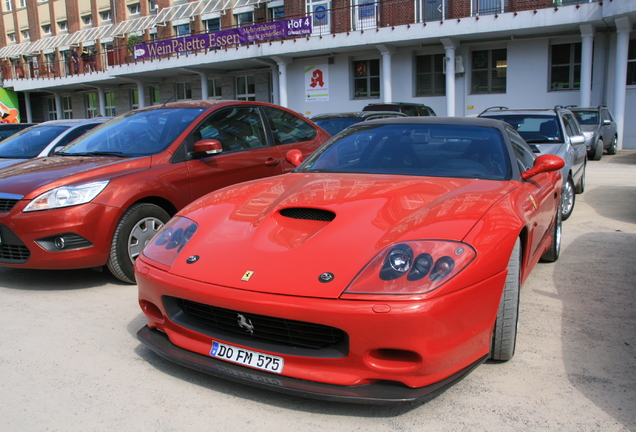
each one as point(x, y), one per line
point(102, 198)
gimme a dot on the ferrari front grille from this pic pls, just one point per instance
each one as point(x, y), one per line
point(279, 331)
point(308, 213)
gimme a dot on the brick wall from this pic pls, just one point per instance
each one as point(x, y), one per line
point(396, 12)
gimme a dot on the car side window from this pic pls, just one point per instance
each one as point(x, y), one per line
point(409, 110)
point(79, 131)
point(237, 128)
point(422, 111)
point(288, 128)
point(523, 153)
point(571, 125)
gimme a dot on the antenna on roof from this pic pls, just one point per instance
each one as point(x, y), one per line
point(169, 99)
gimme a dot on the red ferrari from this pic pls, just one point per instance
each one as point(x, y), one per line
point(382, 269)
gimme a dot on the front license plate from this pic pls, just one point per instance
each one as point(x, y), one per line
point(246, 357)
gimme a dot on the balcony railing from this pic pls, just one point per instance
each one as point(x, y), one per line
point(363, 15)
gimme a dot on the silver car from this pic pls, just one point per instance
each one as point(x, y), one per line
point(599, 128)
point(552, 131)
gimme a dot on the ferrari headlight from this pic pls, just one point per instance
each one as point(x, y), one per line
point(66, 196)
point(414, 267)
point(170, 240)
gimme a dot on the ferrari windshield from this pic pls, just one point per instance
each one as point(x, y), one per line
point(137, 133)
point(28, 143)
point(437, 150)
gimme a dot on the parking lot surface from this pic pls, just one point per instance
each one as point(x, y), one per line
point(70, 361)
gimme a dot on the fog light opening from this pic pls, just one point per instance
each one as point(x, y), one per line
point(151, 310)
point(59, 242)
point(395, 359)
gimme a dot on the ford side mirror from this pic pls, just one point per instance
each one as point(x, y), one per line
point(206, 147)
point(294, 157)
point(544, 163)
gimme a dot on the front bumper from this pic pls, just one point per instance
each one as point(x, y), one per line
point(381, 392)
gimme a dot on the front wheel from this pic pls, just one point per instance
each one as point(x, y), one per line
point(580, 188)
point(598, 154)
point(134, 231)
point(504, 337)
point(567, 199)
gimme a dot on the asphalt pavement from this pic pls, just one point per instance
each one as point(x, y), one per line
point(70, 361)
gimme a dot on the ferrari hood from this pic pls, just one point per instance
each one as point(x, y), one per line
point(34, 176)
point(285, 231)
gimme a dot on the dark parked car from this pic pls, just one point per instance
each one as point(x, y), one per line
point(8, 129)
point(551, 131)
point(410, 109)
point(102, 198)
point(336, 122)
point(599, 128)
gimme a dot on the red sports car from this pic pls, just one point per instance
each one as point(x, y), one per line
point(382, 269)
point(100, 200)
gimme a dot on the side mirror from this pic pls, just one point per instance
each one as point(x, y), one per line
point(577, 139)
point(205, 148)
point(607, 122)
point(294, 157)
point(544, 163)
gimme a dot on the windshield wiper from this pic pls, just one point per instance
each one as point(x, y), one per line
point(95, 153)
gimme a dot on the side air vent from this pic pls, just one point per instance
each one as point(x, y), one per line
point(308, 214)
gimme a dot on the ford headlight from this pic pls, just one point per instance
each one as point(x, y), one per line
point(66, 196)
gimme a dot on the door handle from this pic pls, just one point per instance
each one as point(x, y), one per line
point(271, 162)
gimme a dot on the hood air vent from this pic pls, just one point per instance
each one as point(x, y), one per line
point(308, 214)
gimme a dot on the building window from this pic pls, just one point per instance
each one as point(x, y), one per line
point(276, 12)
point(51, 109)
point(22, 3)
point(110, 104)
point(11, 37)
point(631, 63)
point(245, 88)
point(489, 70)
point(213, 24)
point(62, 25)
point(366, 79)
point(134, 9)
point(184, 90)
point(429, 75)
point(214, 88)
point(244, 19)
point(489, 7)
point(134, 99)
point(26, 34)
point(182, 30)
point(67, 107)
point(105, 16)
point(152, 6)
point(46, 29)
point(87, 20)
point(154, 96)
point(565, 67)
point(91, 105)
point(319, 10)
point(8, 5)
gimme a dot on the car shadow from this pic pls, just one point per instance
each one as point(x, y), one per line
point(603, 200)
point(52, 280)
point(622, 157)
point(596, 288)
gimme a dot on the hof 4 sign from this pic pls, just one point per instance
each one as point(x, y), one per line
point(224, 38)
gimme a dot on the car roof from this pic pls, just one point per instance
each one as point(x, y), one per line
point(356, 114)
point(435, 120)
point(73, 122)
point(16, 125)
point(505, 110)
point(395, 104)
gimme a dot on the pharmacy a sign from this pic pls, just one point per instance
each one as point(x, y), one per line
point(317, 83)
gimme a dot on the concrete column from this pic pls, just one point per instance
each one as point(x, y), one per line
point(275, 86)
point(587, 47)
point(623, 29)
point(58, 106)
point(101, 95)
point(141, 94)
point(387, 88)
point(27, 104)
point(204, 86)
point(450, 46)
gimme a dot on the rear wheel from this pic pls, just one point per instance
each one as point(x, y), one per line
point(504, 337)
point(613, 146)
point(599, 150)
point(567, 199)
point(134, 231)
point(552, 254)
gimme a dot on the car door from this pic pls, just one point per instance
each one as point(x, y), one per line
point(538, 196)
point(608, 127)
point(572, 129)
point(289, 131)
point(246, 153)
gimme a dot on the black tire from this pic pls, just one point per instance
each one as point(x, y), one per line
point(504, 336)
point(567, 199)
point(580, 187)
point(598, 154)
point(134, 230)
point(613, 146)
point(552, 254)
